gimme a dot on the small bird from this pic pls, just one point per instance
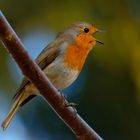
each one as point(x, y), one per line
point(61, 61)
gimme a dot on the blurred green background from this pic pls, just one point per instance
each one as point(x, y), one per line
point(108, 89)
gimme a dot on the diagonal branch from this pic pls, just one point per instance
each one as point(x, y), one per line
point(32, 71)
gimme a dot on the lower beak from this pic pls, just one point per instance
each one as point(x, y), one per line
point(98, 41)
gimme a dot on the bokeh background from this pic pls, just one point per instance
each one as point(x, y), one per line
point(108, 89)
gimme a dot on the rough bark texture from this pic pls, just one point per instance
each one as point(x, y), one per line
point(31, 70)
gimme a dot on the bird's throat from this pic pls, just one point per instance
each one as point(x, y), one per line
point(76, 53)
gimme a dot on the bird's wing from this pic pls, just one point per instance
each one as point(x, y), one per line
point(47, 56)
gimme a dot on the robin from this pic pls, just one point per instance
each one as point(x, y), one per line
point(61, 61)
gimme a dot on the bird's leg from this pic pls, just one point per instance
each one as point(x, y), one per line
point(66, 103)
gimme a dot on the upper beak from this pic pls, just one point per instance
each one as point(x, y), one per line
point(100, 31)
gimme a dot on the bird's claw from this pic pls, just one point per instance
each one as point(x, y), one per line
point(67, 104)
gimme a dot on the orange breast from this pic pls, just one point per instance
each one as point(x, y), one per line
point(77, 51)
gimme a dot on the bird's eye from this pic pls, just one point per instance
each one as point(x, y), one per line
point(86, 30)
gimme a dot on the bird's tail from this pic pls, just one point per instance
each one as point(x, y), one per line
point(20, 100)
point(12, 111)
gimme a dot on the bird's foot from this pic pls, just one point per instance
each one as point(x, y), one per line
point(67, 104)
point(73, 105)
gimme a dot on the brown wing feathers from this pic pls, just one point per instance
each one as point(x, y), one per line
point(46, 57)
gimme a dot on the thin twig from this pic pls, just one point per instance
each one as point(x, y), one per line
point(32, 71)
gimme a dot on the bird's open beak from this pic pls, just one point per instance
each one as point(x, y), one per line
point(100, 31)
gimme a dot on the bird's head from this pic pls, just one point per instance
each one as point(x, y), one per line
point(83, 33)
